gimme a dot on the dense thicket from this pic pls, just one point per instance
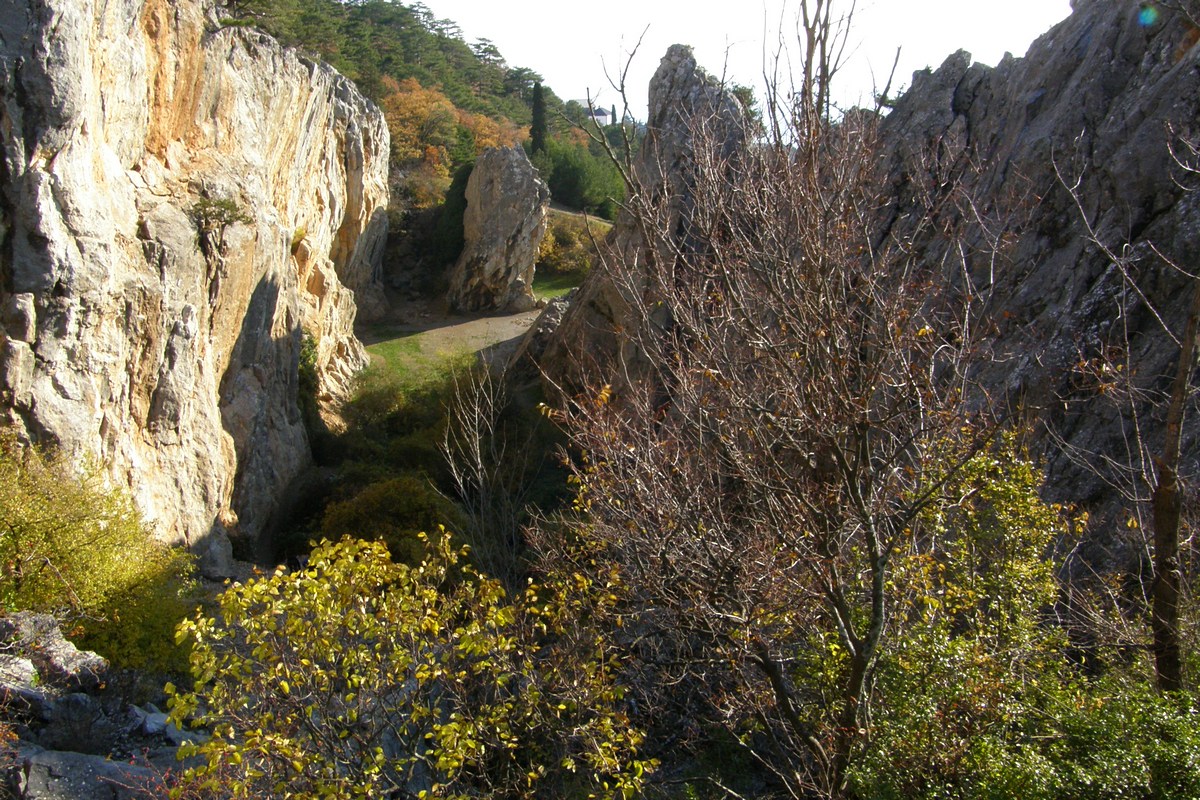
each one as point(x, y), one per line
point(833, 564)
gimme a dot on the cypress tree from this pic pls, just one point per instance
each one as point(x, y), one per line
point(537, 130)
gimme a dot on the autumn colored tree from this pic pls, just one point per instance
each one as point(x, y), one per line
point(418, 119)
point(361, 678)
point(486, 133)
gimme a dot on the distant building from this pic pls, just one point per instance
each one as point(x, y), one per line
point(600, 116)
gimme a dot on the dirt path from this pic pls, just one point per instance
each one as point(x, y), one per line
point(442, 334)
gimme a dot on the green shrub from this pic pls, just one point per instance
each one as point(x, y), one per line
point(216, 215)
point(361, 678)
point(307, 374)
point(580, 178)
point(569, 245)
point(74, 547)
point(976, 697)
point(298, 237)
point(447, 241)
point(396, 511)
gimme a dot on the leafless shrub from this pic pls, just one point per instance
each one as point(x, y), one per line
point(797, 399)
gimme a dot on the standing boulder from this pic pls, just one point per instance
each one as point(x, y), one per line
point(507, 204)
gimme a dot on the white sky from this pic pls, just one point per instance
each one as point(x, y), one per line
point(570, 44)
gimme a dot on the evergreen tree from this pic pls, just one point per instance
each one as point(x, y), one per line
point(537, 130)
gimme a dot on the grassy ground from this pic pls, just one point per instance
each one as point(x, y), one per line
point(548, 287)
point(408, 360)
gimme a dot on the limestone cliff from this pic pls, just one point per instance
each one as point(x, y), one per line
point(180, 204)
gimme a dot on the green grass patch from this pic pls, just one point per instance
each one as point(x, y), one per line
point(548, 287)
point(407, 361)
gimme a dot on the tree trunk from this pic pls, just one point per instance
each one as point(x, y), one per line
point(1167, 512)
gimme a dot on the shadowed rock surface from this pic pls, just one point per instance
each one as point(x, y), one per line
point(685, 102)
point(1099, 103)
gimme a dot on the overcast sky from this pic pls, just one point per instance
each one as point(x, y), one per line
point(571, 44)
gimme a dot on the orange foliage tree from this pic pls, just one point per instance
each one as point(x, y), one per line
point(419, 119)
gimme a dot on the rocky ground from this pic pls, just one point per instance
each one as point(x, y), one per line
point(86, 732)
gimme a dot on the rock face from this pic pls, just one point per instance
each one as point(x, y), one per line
point(1101, 100)
point(686, 102)
point(51, 775)
point(505, 220)
point(180, 205)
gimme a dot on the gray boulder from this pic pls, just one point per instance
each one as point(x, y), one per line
point(59, 664)
point(39, 774)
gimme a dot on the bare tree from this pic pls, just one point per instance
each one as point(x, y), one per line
point(1148, 477)
point(796, 402)
point(489, 463)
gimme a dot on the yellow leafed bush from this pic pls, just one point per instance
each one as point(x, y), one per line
point(72, 546)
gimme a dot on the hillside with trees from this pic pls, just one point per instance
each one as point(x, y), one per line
point(446, 100)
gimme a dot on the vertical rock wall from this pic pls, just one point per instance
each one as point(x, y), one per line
point(1088, 134)
point(130, 331)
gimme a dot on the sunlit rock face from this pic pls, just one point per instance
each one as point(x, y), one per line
point(505, 220)
point(136, 330)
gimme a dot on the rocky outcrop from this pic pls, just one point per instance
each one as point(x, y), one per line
point(687, 105)
point(1099, 103)
point(505, 220)
point(1074, 146)
point(78, 734)
point(37, 640)
point(180, 205)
